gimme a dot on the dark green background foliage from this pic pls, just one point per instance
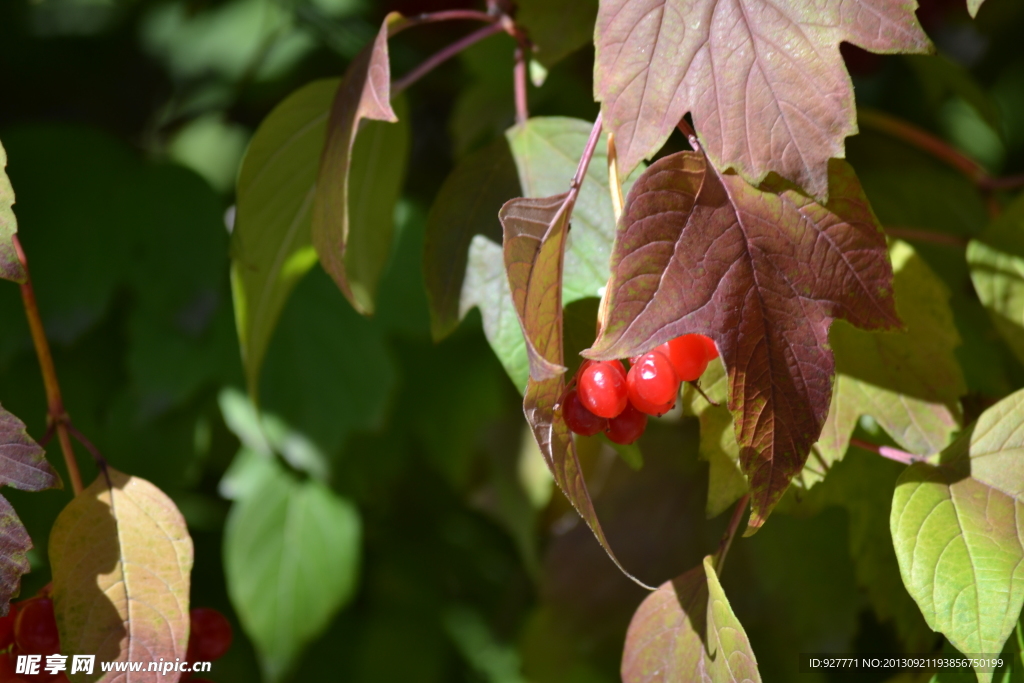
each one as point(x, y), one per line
point(124, 122)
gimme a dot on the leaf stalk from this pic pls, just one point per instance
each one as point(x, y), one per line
point(730, 533)
point(56, 416)
point(442, 56)
point(888, 452)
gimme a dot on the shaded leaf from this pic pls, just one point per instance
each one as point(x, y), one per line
point(352, 207)
point(467, 205)
point(762, 271)
point(121, 558)
point(686, 631)
point(271, 244)
point(23, 464)
point(941, 77)
point(996, 260)
point(14, 546)
point(557, 27)
point(909, 382)
point(291, 557)
point(10, 266)
point(765, 83)
point(955, 526)
point(973, 6)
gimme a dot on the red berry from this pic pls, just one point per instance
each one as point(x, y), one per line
point(689, 356)
point(602, 388)
point(627, 427)
point(654, 378)
point(644, 406)
point(35, 628)
point(210, 636)
point(709, 346)
point(578, 418)
point(7, 628)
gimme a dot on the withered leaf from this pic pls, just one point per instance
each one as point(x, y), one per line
point(763, 271)
point(364, 93)
point(764, 81)
point(535, 231)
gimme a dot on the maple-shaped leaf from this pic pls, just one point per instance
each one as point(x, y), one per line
point(535, 231)
point(764, 81)
point(364, 93)
point(23, 464)
point(763, 271)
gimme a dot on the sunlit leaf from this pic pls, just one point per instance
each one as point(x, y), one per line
point(291, 558)
point(909, 382)
point(557, 27)
point(765, 82)
point(762, 271)
point(10, 266)
point(996, 259)
point(271, 246)
point(467, 205)
point(686, 631)
point(352, 206)
point(23, 464)
point(955, 526)
point(121, 558)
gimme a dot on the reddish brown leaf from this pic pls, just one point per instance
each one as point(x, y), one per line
point(22, 462)
point(763, 271)
point(364, 93)
point(764, 81)
point(535, 231)
point(14, 546)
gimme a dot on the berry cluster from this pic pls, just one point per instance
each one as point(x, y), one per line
point(30, 628)
point(604, 397)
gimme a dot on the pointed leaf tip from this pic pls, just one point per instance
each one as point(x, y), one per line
point(763, 271)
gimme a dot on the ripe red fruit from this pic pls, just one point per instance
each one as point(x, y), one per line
point(689, 356)
point(644, 406)
point(210, 636)
point(7, 628)
point(602, 388)
point(35, 628)
point(578, 418)
point(627, 427)
point(654, 379)
point(709, 346)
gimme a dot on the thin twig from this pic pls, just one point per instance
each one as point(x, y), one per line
point(888, 452)
point(435, 17)
point(918, 235)
point(56, 415)
point(442, 56)
point(48, 434)
point(588, 154)
point(924, 141)
point(696, 385)
point(1010, 182)
point(519, 86)
point(101, 462)
point(730, 533)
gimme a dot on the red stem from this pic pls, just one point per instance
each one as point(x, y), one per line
point(888, 452)
point(730, 533)
point(519, 74)
point(442, 56)
point(435, 17)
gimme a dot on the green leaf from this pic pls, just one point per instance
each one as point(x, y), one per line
point(291, 557)
point(687, 631)
point(909, 382)
point(547, 151)
point(23, 464)
point(762, 271)
point(557, 27)
point(467, 205)
point(271, 245)
point(486, 287)
point(767, 87)
point(10, 265)
point(941, 77)
point(955, 530)
point(360, 175)
point(328, 371)
point(996, 259)
point(121, 558)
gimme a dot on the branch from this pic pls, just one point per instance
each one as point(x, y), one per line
point(519, 85)
point(435, 17)
point(730, 533)
point(442, 56)
point(56, 416)
point(888, 452)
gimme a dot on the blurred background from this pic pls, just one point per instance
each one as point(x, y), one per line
point(125, 122)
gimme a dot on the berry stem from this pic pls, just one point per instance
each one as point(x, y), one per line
point(730, 533)
point(888, 452)
point(56, 417)
point(442, 56)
